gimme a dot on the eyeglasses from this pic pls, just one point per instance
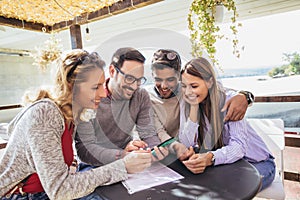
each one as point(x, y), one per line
point(169, 55)
point(83, 59)
point(131, 79)
point(169, 58)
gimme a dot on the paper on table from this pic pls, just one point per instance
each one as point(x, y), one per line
point(155, 175)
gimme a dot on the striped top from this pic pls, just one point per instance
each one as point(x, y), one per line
point(239, 138)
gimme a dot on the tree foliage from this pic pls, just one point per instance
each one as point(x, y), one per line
point(290, 69)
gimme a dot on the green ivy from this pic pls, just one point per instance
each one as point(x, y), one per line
point(204, 30)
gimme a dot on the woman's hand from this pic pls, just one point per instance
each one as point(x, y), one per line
point(198, 162)
point(137, 161)
point(194, 108)
point(182, 152)
point(160, 153)
point(192, 103)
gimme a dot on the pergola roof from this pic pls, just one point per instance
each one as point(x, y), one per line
point(55, 15)
point(166, 14)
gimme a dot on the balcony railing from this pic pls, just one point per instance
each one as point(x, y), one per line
point(292, 139)
point(7, 107)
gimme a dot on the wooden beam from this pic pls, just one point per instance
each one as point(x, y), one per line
point(3, 145)
point(277, 99)
point(76, 40)
point(7, 107)
point(292, 140)
point(14, 52)
point(291, 176)
point(15, 23)
point(116, 8)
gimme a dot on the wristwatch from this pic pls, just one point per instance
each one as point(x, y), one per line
point(249, 96)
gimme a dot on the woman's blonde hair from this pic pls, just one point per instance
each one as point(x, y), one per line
point(213, 103)
point(71, 70)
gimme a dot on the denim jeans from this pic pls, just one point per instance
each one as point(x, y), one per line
point(267, 171)
point(36, 196)
point(93, 196)
point(43, 196)
point(82, 167)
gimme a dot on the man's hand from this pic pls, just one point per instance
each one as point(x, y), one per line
point(237, 107)
point(135, 145)
point(198, 162)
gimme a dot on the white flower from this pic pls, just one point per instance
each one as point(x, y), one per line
point(87, 114)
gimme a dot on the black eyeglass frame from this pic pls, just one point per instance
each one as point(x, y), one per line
point(128, 77)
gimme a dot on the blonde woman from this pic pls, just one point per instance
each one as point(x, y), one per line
point(38, 162)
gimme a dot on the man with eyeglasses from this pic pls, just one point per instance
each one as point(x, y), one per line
point(123, 121)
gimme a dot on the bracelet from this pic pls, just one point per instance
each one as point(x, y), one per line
point(213, 158)
point(119, 154)
point(73, 167)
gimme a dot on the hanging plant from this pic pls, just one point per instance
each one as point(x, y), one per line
point(204, 30)
point(47, 53)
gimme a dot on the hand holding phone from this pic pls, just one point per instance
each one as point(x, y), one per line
point(164, 144)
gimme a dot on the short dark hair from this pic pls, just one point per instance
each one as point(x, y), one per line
point(163, 58)
point(126, 53)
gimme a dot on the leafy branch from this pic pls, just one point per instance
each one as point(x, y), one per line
point(204, 31)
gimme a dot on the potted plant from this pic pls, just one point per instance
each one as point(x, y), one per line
point(204, 29)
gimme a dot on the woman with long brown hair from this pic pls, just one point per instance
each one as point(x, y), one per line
point(202, 125)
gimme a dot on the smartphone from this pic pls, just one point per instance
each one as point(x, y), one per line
point(164, 144)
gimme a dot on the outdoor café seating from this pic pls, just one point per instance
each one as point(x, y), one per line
point(270, 130)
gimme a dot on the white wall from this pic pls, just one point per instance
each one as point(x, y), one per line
point(17, 74)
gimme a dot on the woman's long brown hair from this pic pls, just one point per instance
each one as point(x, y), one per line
point(211, 106)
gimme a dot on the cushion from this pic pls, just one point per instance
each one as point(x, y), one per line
point(272, 133)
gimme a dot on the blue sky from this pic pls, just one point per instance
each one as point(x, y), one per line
point(265, 39)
